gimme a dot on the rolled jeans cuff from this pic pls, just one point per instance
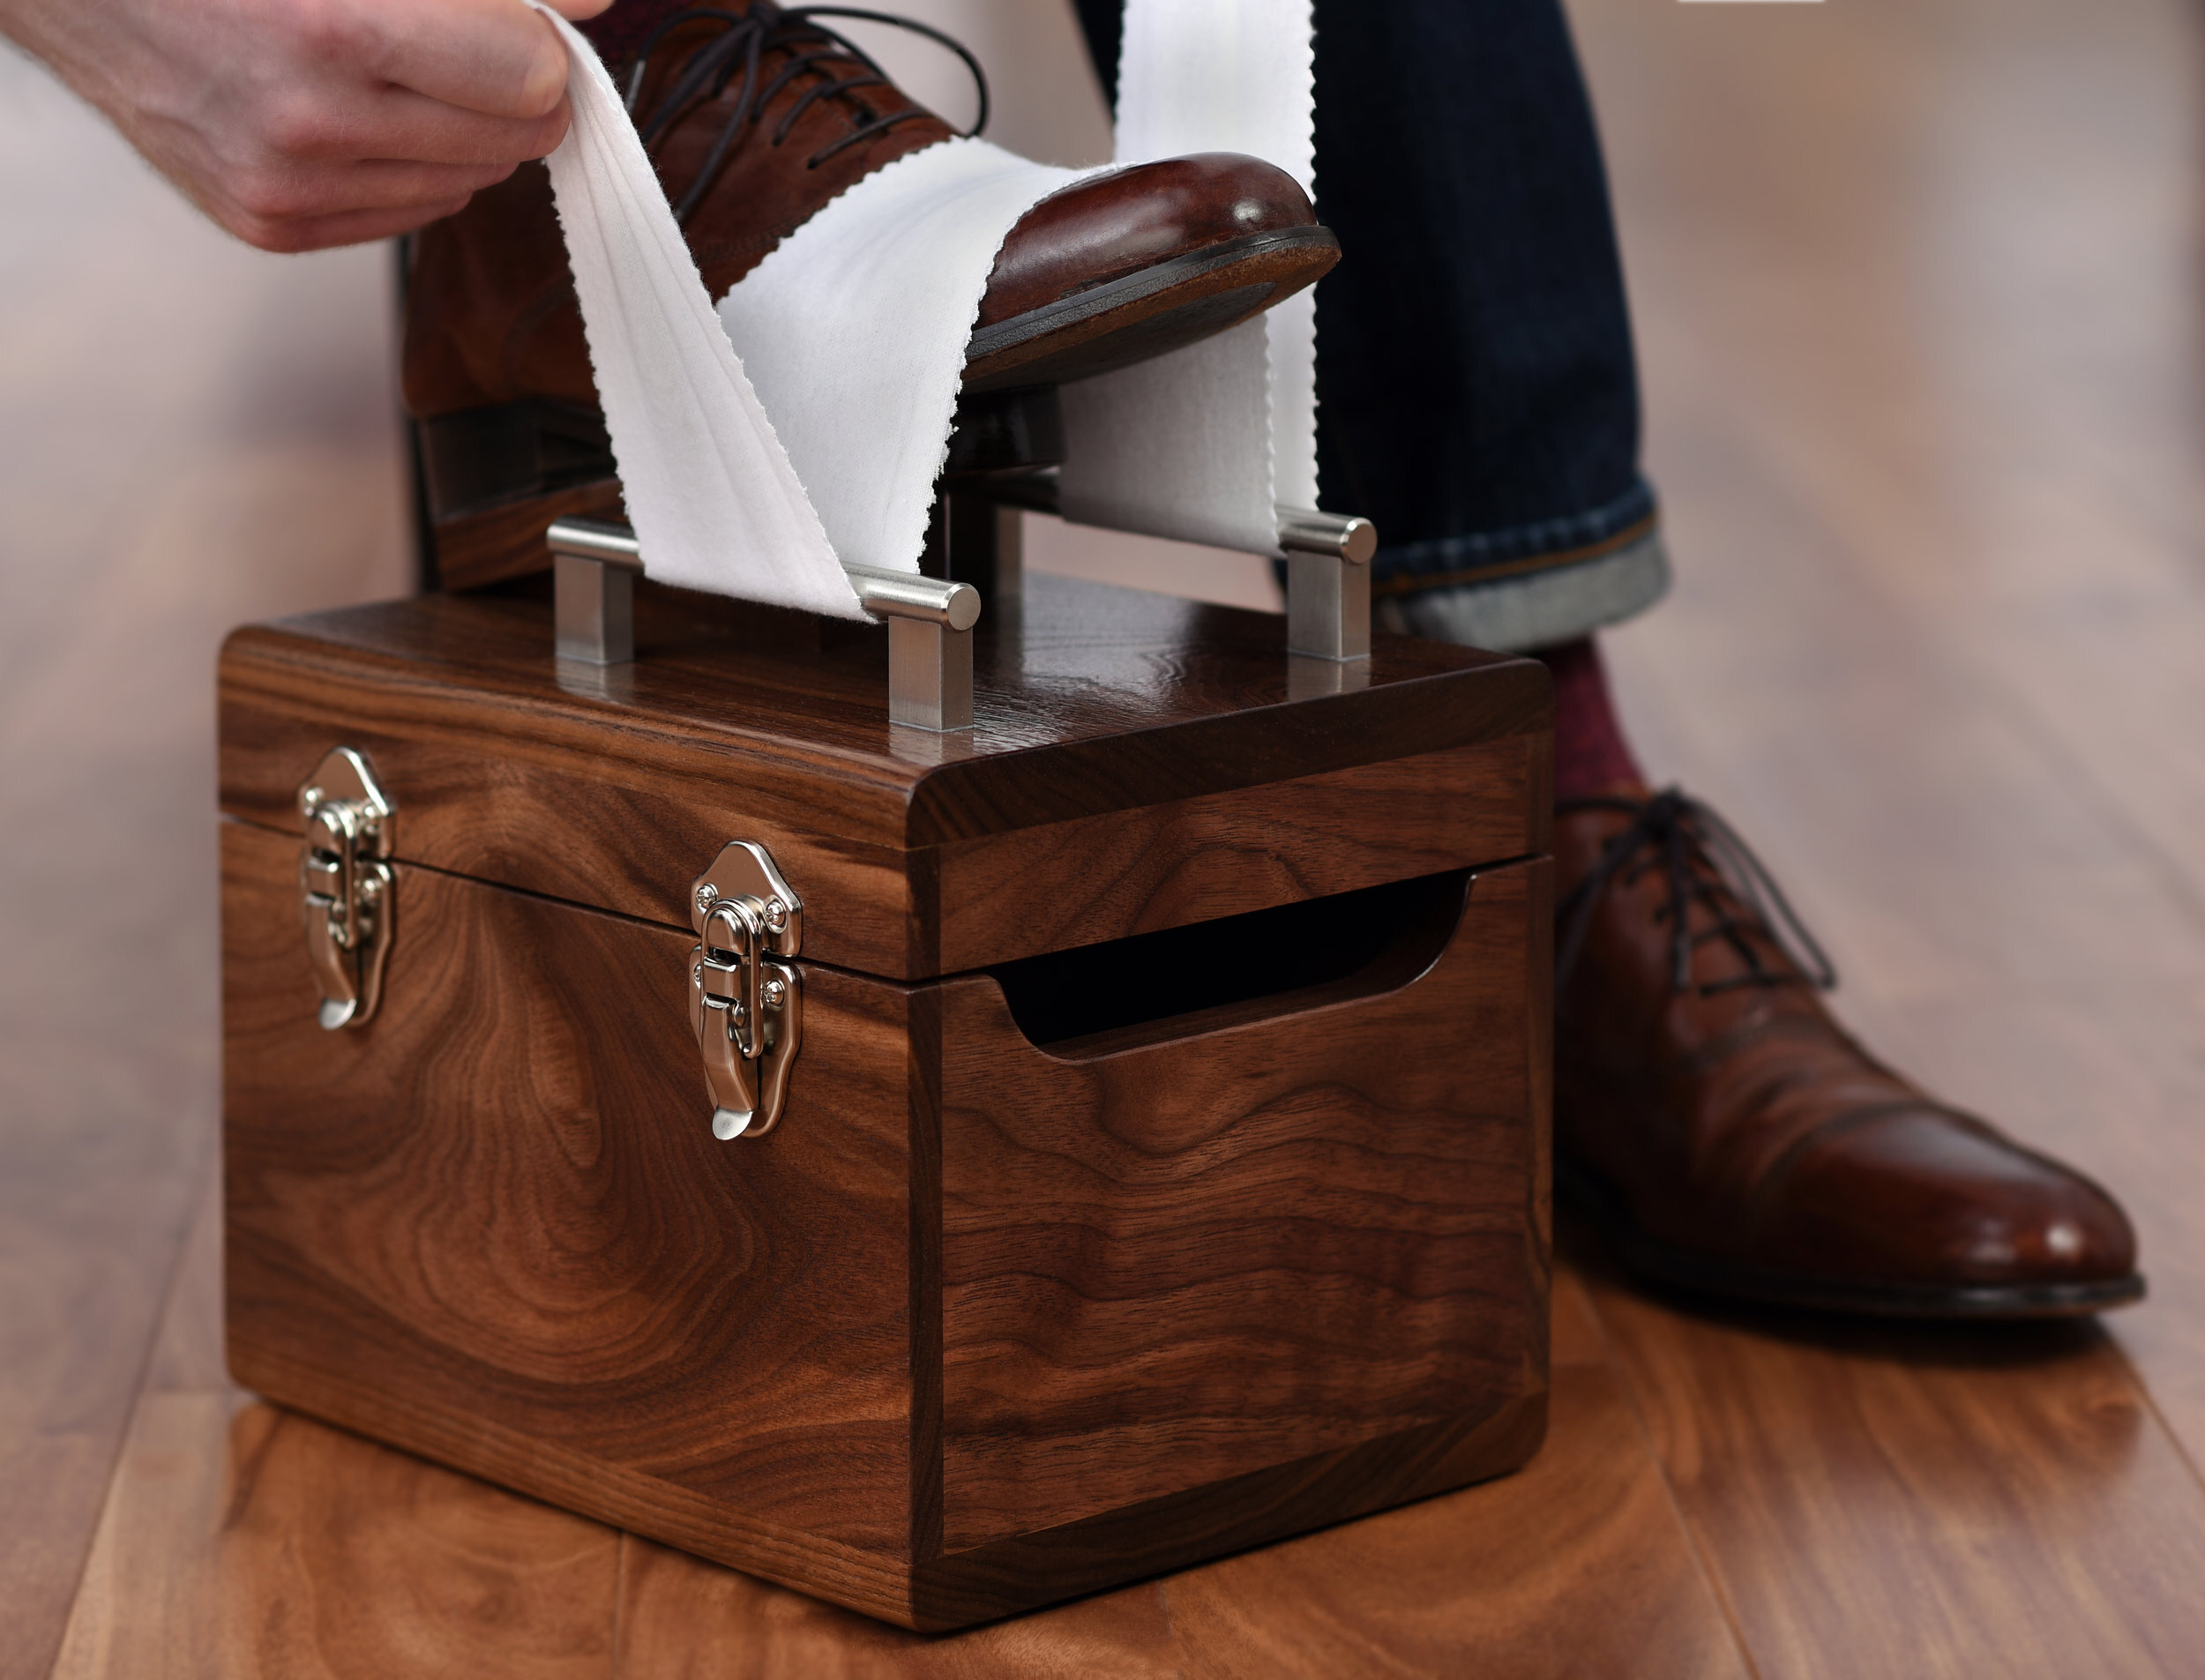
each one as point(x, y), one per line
point(1530, 586)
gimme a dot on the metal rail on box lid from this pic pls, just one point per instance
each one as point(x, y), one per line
point(929, 619)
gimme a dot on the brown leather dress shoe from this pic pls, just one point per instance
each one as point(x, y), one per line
point(1727, 1136)
point(756, 119)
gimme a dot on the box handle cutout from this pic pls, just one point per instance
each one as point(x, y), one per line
point(1096, 999)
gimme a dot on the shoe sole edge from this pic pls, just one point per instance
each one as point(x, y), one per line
point(1652, 1259)
point(1270, 266)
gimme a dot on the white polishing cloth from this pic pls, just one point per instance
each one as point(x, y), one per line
point(1200, 444)
point(1177, 447)
point(714, 502)
point(854, 328)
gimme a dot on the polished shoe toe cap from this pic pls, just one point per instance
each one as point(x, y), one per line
point(1921, 1196)
point(1110, 226)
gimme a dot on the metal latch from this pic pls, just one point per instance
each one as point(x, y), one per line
point(345, 887)
point(747, 1010)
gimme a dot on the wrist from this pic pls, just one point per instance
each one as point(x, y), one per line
point(83, 43)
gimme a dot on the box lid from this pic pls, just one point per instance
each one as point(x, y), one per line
point(1138, 762)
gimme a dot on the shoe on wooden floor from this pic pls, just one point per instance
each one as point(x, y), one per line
point(1727, 1136)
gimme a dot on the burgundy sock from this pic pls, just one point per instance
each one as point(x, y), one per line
point(1591, 754)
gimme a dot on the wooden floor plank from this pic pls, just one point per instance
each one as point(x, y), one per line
point(1880, 1502)
point(685, 1619)
point(1930, 455)
point(1914, 284)
point(150, 1599)
point(190, 433)
point(2114, 1074)
point(239, 1541)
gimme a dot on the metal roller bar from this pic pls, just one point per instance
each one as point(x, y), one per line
point(912, 595)
point(595, 540)
point(1339, 536)
point(1343, 536)
point(930, 619)
point(1327, 582)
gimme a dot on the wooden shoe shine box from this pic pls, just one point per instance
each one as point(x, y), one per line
point(1159, 1165)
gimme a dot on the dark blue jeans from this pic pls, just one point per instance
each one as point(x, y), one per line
point(1476, 393)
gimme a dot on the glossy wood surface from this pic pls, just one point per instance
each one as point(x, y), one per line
point(1166, 865)
point(1134, 751)
point(1916, 298)
point(1156, 1260)
point(496, 1225)
point(1160, 1299)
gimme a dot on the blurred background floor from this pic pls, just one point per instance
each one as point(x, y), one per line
point(1918, 295)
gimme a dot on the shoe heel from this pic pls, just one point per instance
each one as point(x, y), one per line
point(498, 478)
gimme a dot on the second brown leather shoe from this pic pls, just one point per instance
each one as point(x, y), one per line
point(756, 118)
point(1728, 1136)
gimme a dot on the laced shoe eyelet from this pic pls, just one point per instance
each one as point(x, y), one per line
point(741, 39)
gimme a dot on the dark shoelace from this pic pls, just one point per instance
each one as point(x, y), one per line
point(1709, 865)
point(746, 37)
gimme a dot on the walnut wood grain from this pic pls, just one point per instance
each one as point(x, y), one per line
point(496, 1228)
point(239, 1541)
point(1877, 1499)
point(493, 1227)
point(1194, 860)
point(1575, 1565)
point(245, 1540)
point(1169, 1532)
point(1164, 723)
point(1190, 1260)
point(1853, 506)
point(1564, 1568)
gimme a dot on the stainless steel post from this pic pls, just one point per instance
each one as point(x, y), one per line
point(594, 591)
point(1327, 582)
point(929, 619)
point(930, 644)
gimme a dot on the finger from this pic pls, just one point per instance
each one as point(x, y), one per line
point(499, 57)
point(274, 197)
point(377, 183)
point(399, 124)
point(347, 227)
point(419, 130)
point(578, 10)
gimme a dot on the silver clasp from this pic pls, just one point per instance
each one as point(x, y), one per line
point(345, 887)
point(746, 1009)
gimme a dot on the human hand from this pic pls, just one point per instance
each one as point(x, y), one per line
point(303, 123)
